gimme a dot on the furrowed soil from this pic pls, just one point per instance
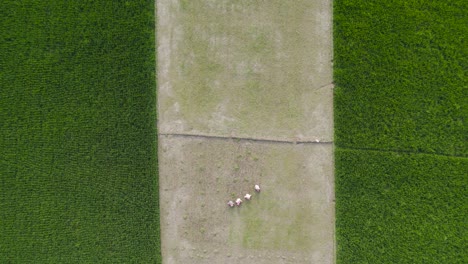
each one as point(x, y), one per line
point(289, 221)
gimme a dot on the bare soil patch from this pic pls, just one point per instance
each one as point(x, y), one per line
point(245, 68)
point(289, 221)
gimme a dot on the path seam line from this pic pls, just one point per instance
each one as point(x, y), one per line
point(252, 139)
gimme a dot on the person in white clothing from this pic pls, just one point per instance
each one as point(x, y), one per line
point(257, 188)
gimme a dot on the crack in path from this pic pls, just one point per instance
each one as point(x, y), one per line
point(250, 139)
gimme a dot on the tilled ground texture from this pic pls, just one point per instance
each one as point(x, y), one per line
point(289, 221)
point(245, 98)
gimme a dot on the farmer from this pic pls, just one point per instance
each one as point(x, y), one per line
point(238, 201)
point(247, 196)
point(257, 188)
point(231, 203)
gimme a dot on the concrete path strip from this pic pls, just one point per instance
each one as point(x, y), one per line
point(244, 98)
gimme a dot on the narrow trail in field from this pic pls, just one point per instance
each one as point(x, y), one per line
point(251, 139)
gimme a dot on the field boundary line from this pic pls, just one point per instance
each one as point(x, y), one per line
point(403, 152)
point(252, 139)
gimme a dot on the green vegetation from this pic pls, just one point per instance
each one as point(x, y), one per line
point(401, 151)
point(400, 70)
point(400, 208)
point(78, 165)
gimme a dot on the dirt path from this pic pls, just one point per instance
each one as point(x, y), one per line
point(245, 97)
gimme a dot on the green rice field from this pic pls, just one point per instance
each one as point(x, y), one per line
point(78, 166)
point(78, 139)
point(401, 137)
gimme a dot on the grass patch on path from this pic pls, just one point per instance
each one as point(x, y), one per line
point(400, 132)
point(78, 165)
